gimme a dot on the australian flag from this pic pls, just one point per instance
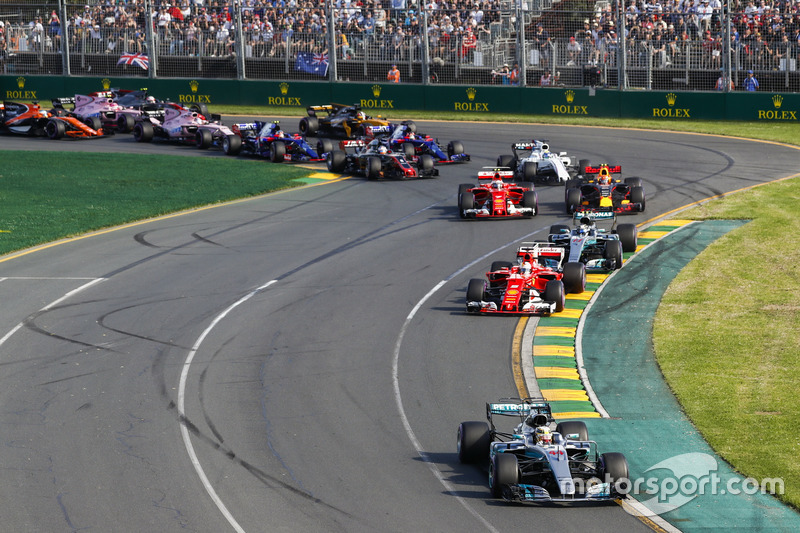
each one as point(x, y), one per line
point(140, 60)
point(312, 63)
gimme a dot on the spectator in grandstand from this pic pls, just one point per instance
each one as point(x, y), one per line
point(468, 44)
point(502, 75)
point(573, 52)
point(393, 75)
point(398, 44)
point(513, 75)
point(542, 41)
point(720, 86)
point(750, 83)
point(783, 52)
point(546, 79)
point(55, 30)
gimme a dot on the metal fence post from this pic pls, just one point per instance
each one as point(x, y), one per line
point(239, 46)
point(332, 70)
point(65, 30)
point(521, 51)
point(426, 73)
point(150, 38)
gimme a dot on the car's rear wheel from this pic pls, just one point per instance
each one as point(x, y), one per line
point(425, 165)
point(411, 125)
point(231, 144)
point(309, 125)
point(531, 199)
point(573, 200)
point(574, 277)
point(582, 164)
point(558, 229)
point(324, 146)
point(505, 160)
point(628, 236)
point(454, 147)
point(474, 440)
point(143, 132)
point(573, 427)
point(464, 187)
point(203, 139)
point(93, 122)
point(504, 471)
point(373, 170)
point(55, 129)
point(125, 123)
point(613, 251)
point(637, 196)
point(476, 289)
point(335, 160)
point(466, 200)
point(201, 109)
point(497, 265)
point(554, 292)
point(277, 151)
point(409, 151)
point(529, 170)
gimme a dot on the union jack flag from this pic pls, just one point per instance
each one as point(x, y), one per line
point(320, 59)
point(140, 60)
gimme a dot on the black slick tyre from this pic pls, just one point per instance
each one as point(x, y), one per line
point(55, 129)
point(475, 290)
point(143, 132)
point(466, 200)
point(628, 236)
point(574, 277)
point(309, 125)
point(573, 427)
point(531, 199)
point(554, 292)
point(276, 151)
point(503, 471)
point(613, 251)
point(497, 265)
point(474, 440)
point(231, 144)
point(203, 139)
point(335, 160)
point(373, 168)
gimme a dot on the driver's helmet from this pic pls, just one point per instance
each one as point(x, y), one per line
point(543, 435)
point(525, 268)
point(497, 182)
point(150, 100)
point(383, 150)
point(410, 136)
point(586, 221)
point(361, 115)
point(605, 177)
point(279, 133)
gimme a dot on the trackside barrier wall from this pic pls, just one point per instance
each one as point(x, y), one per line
point(393, 100)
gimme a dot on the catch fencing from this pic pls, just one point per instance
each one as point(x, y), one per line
point(567, 43)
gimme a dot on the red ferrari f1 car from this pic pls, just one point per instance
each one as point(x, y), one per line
point(495, 198)
point(534, 286)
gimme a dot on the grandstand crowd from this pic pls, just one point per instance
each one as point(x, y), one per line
point(764, 34)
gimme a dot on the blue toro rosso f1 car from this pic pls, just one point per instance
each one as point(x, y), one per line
point(267, 139)
point(404, 139)
point(537, 460)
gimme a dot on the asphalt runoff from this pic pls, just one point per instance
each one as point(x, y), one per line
point(647, 424)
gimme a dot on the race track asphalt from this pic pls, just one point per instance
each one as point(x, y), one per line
point(325, 401)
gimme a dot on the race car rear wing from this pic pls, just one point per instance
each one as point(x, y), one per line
point(541, 251)
point(489, 173)
point(59, 102)
point(518, 407)
point(594, 214)
point(329, 108)
point(596, 170)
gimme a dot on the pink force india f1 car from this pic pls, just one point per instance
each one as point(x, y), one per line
point(188, 126)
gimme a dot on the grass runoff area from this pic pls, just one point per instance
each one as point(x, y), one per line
point(725, 334)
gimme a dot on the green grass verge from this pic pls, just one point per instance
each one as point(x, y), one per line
point(48, 195)
point(726, 335)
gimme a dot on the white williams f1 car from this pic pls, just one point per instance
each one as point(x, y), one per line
point(533, 161)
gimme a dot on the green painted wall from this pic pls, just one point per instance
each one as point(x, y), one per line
point(390, 99)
